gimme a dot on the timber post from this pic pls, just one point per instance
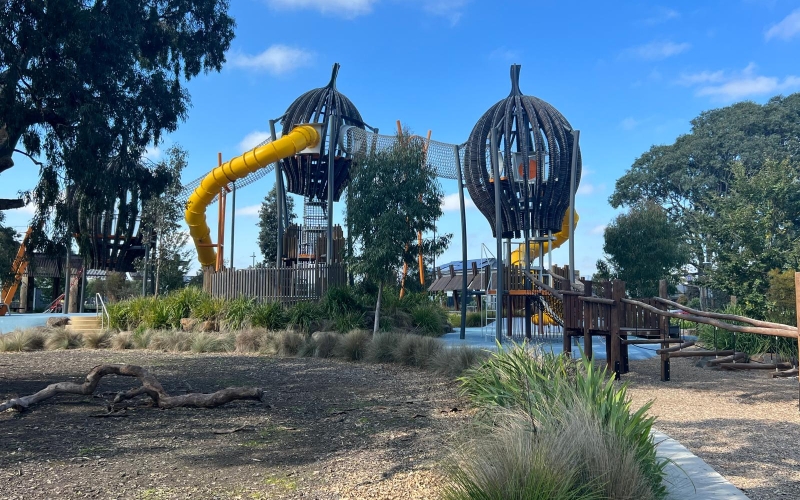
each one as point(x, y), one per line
point(587, 320)
point(617, 316)
point(664, 328)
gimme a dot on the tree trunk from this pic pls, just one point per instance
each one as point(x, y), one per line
point(150, 387)
point(377, 323)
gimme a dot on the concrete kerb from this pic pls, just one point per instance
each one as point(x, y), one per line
point(689, 477)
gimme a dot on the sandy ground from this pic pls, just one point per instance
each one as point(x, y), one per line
point(744, 424)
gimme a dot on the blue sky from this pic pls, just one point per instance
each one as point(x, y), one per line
point(626, 74)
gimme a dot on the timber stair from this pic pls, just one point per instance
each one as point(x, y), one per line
point(84, 324)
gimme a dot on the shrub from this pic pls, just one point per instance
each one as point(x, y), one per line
point(353, 345)
point(248, 340)
point(308, 348)
point(549, 388)
point(340, 301)
point(63, 339)
point(270, 315)
point(415, 350)
point(141, 338)
point(303, 314)
point(208, 342)
point(383, 346)
point(97, 340)
point(326, 344)
point(474, 319)
point(208, 309)
point(171, 340)
point(289, 343)
point(430, 319)
point(122, 340)
point(182, 302)
point(238, 312)
point(30, 339)
point(456, 360)
point(345, 322)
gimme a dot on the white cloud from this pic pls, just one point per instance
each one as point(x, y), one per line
point(277, 59)
point(739, 85)
point(450, 203)
point(587, 188)
point(787, 29)
point(30, 209)
point(248, 211)
point(662, 15)
point(253, 139)
point(342, 8)
point(598, 229)
point(629, 123)
point(505, 54)
point(153, 153)
point(654, 51)
point(449, 9)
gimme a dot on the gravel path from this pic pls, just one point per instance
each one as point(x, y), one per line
point(744, 424)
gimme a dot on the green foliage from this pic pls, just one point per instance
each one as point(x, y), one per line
point(9, 245)
point(268, 225)
point(327, 343)
point(748, 343)
point(238, 313)
point(755, 231)
point(383, 346)
point(106, 82)
point(209, 309)
point(394, 194)
point(345, 322)
point(781, 303)
point(341, 301)
point(551, 388)
point(430, 319)
point(182, 302)
point(269, 315)
point(643, 247)
point(303, 315)
point(731, 186)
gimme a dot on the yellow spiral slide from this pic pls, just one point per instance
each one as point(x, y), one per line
point(518, 255)
point(302, 137)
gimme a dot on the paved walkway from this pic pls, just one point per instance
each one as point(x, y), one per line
point(12, 322)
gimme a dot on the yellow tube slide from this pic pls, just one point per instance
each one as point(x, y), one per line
point(300, 138)
point(518, 255)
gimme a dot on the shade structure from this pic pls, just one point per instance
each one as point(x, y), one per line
point(307, 175)
point(534, 151)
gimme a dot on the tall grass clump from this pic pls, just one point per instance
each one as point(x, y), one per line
point(288, 342)
point(63, 339)
point(30, 339)
point(122, 340)
point(208, 309)
point(353, 345)
point(303, 315)
point(383, 346)
point(238, 313)
point(553, 391)
point(456, 360)
point(269, 315)
point(430, 319)
point(326, 344)
point(340, 301)
point(416, 350)
point(210, 342)
point(171, 341)
point(141, 337)
point(97, 340)
point(182, 302)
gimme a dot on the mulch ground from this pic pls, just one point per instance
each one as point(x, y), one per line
point(327, 430)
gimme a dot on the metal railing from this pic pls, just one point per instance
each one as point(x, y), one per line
point(103, 313)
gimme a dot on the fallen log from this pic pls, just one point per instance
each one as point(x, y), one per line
point(150, 387)
point(754, 366)
point(652, 341)
point(675, 348)
point(725, 359)
point(787, 373)
point(698, 353)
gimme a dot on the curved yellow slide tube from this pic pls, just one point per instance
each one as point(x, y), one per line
point(302, 137)
point(518, 255)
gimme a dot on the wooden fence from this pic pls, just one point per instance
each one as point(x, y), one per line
point(288, 285)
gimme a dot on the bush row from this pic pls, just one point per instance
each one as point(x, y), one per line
point(341, 310)
point(385, 347)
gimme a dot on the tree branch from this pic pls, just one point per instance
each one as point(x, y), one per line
point(34, 160)
point(6, 204)
point(150, 387)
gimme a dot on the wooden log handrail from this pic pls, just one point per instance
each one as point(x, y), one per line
point(543, 286)
point(727, 317)
point(676, 348)
point(597, 300)
point(778, 332)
